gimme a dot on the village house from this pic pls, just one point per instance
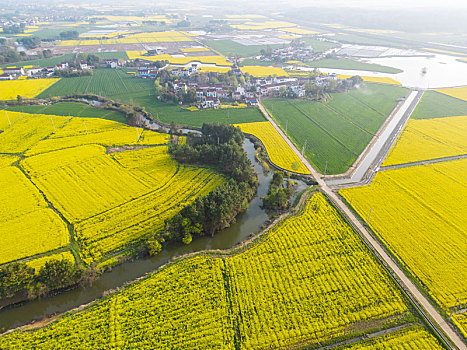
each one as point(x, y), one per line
point(15, 71)
point(210, 102)
point(62, 66)
point(147, 72)
point(6, 76)
point(112, 63)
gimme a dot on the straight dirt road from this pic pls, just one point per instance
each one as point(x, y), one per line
point(428, 311)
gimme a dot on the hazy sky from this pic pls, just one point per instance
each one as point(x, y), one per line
point(384, 3)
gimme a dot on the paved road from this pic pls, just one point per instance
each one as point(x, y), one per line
point(385, 259)
point(422, 162)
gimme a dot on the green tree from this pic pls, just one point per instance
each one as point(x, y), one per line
point(58, 273)
point(15, 278)
point(153, 246)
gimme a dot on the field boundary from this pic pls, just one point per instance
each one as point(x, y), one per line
point(353, 168)
point(239, 248)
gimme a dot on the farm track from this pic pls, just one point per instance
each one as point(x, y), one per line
point(426, 310)
point(366, 336)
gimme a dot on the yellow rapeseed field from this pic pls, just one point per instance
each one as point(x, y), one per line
point(139, 38)
point(424, 139)
point(446, 52)
point(10, 89)
point(298, 31)
point(195, 49)
point(310, 281)
point(260, 71)
point(415, 337)
point(419, 213)
point(218, 60)
point(112, 196)
point(7, 160)
point(27, 225)
point(278, 150)
point(215, 69)
point(460, 93)
point(8, 118)
point(380, 80)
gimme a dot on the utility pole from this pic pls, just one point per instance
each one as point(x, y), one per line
point(84, 122)
point(286, 125)
point(369, 215)
point(51, 119)
point(137, 133)
point(7, 117)
point(304, 147)
point(452, 309)
point(325, 168)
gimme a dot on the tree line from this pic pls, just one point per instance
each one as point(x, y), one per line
point(219, 146)
point(19, 279)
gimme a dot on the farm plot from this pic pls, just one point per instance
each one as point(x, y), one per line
point(434, 105)
point(378, 80)
point(459, 93)
point(71, 108)
point(27, 225)
point(277, 149)
point(168, 113)
point(28, 88)
point(139, 38)
point(345, 63)
point(419, 213)
point(231, 48)
point(335, 132)
point(121, 86)
point(126, 223)
point(429, 139)
point(27, 130)
point(215, 59)
point(104, 82)
point(300, 286)
point(137, 188)
point(259, 71)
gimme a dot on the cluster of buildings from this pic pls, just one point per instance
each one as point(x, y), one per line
point(289, 53)
point(31, 72)
point(273, 85)
point(270, 86)
point(211, 95)
point(45, 72)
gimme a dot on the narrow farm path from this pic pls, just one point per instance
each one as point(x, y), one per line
point(422, 162)
point(431, 315)
point(366, 336)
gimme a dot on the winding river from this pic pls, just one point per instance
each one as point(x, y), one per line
point(247, 223)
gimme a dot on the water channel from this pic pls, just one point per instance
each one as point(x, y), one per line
point(247, 223)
